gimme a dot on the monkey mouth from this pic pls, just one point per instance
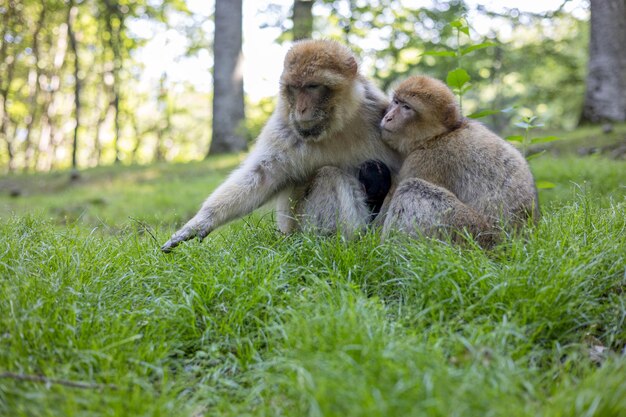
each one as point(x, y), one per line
point(310, 132)
point(386, 134)
point(385, 128)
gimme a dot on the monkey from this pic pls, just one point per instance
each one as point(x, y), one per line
point(325, 126)
point(456, 173)
point(420, 208)
point(325, 205)
point(375, 177)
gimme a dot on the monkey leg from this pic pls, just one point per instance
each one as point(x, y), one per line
point(374, 177)
point(333, 200)
point(420, 208)
point(285, 214)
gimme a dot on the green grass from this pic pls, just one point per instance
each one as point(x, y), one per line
point(250, 322)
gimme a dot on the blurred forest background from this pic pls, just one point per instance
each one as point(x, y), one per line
point(74, 89)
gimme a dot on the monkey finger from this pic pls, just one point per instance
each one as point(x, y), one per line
point(178, 237)
point(168, 246)
point(202, 235)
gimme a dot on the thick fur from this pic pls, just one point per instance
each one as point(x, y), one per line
point(375, 177)
point(342, 131)
point(481, 170)
point(420, 208)
point(333, 201)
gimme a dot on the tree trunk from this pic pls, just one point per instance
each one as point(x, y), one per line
point(5, 83)
point(115, 40)
point(228, 107)
point(302, 19)
point(137, 132)
point(164, 126)
point(96, 153)
point(103, 102)
point(33, 93)
point(51, 102)
point(605, 98)
point(71, 20)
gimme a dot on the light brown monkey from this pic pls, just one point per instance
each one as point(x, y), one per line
point(326, 124)
point(456, 173)
point(421, 208)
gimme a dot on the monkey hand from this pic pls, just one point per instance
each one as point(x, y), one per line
point(187, 232)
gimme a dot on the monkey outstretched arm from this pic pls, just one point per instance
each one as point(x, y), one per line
point(259, 177)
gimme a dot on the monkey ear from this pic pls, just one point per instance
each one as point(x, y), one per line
point(452, 116)
point(352, 66)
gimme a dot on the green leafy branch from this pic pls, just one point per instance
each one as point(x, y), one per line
point(524, 141)
point(459, 79)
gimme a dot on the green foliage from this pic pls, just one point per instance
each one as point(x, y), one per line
point(257, 115)
point(540, 66)
point(529, 123)
point(457, 79)
point(524, 58)
point(38, 79)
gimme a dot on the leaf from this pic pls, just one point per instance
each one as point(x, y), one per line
point(473, 48)
point(544, 185)
point(483, 113)
point(457, 78)
point(457, 23)
point(465, 88)
point(439, 53)
point(509, 109)
point(515, 138)
point(545, 139)
point(523, 125)
point(460, 25)
point(535, 155)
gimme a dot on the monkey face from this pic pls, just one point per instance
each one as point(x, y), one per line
point(399, 115)
point(315, 84)
point(309, 113)
point(422, 109)
point(396, 125)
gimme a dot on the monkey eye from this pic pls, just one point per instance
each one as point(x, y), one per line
point(406, 107)
point(312, 86)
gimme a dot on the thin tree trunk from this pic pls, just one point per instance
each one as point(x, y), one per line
point(71, 19)
point(605, 97)
point(48, 129)
point(165, 125)
point(137, 132)
point(103, 103)
point(4, 117)
point(5, 85)
point(96, 155)
point(228, 106)
point(114, 44)
point(33, 93)
point(302, 19)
